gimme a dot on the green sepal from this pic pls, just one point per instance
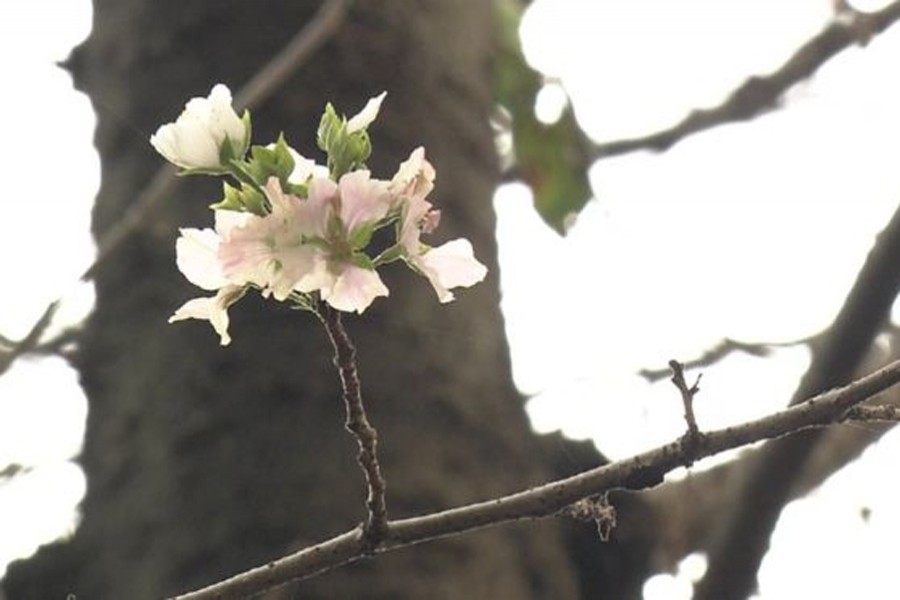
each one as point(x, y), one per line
point(231, 199)
point(361, 260)
point(229, 151)
point(245, 199)
point(304, 301)
point(346, 151)
point(270, 162)
point(362, 236)
point(182, 172)
point(329, 125)
point(248, 133)
point(300, 190)
point(393, 253)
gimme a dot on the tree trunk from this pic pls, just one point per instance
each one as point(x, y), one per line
point(201, 460)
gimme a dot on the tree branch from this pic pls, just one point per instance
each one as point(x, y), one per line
point(725, 347)
point(743, 537)
point(375, 527)
point(762, 94)
point(639, 472)
point(10, 351)
point(687, 399)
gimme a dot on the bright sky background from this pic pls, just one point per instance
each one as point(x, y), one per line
point(751, 231)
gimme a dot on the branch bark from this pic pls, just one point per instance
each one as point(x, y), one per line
point(743, 539)
point(762, 94)
point(642, 471)
point(357, 423)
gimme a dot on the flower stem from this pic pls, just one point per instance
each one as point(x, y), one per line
point(357, 423)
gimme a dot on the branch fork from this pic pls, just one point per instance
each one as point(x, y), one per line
point(692, 440)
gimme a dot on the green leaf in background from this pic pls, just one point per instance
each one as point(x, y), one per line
point(552, 159)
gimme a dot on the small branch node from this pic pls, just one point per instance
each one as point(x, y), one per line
point(597, 509)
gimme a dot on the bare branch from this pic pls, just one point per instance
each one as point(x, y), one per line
point(718, 352)
point(11, 351)
point(10, 471)
point(639, 472)
point(691, 439)
point(687, 395)
point(743, 535)
point(762, 94)
point(302, 46)
point(375, 527)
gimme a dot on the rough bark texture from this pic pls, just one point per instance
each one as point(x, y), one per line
point(203, 461)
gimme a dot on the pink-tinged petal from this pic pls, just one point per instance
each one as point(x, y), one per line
point(214, 310)
point(298, 268)
point(415, 212)
point(196, 254)
point(274, 252)
point(414, 177)
point(430, 221)
point(313, 213)
point(354, 289)
point(450, 265)
point(318, 277)
point(226, 220)
point(365, 117)
point(363, 199)
point(247, 255)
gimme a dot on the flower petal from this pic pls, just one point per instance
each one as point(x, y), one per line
point(365, 117)
point(195, 139)
point(363, 200)
point(196, 254)
point(214, 310)
point(354, 289)
point(450, 265)
point(414, 178)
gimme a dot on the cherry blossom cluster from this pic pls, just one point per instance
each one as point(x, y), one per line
point(298, 231)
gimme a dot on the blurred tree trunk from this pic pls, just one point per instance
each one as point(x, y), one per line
point(204, 461)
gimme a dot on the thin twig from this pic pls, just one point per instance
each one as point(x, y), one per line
point(11, 351)
point(256, 91)
point(639, 472)
point(316, 32)
point(762, 94)
point(692, 437)
point(722, 349)
point(375, 528)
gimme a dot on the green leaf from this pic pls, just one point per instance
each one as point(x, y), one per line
point(552, 159)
